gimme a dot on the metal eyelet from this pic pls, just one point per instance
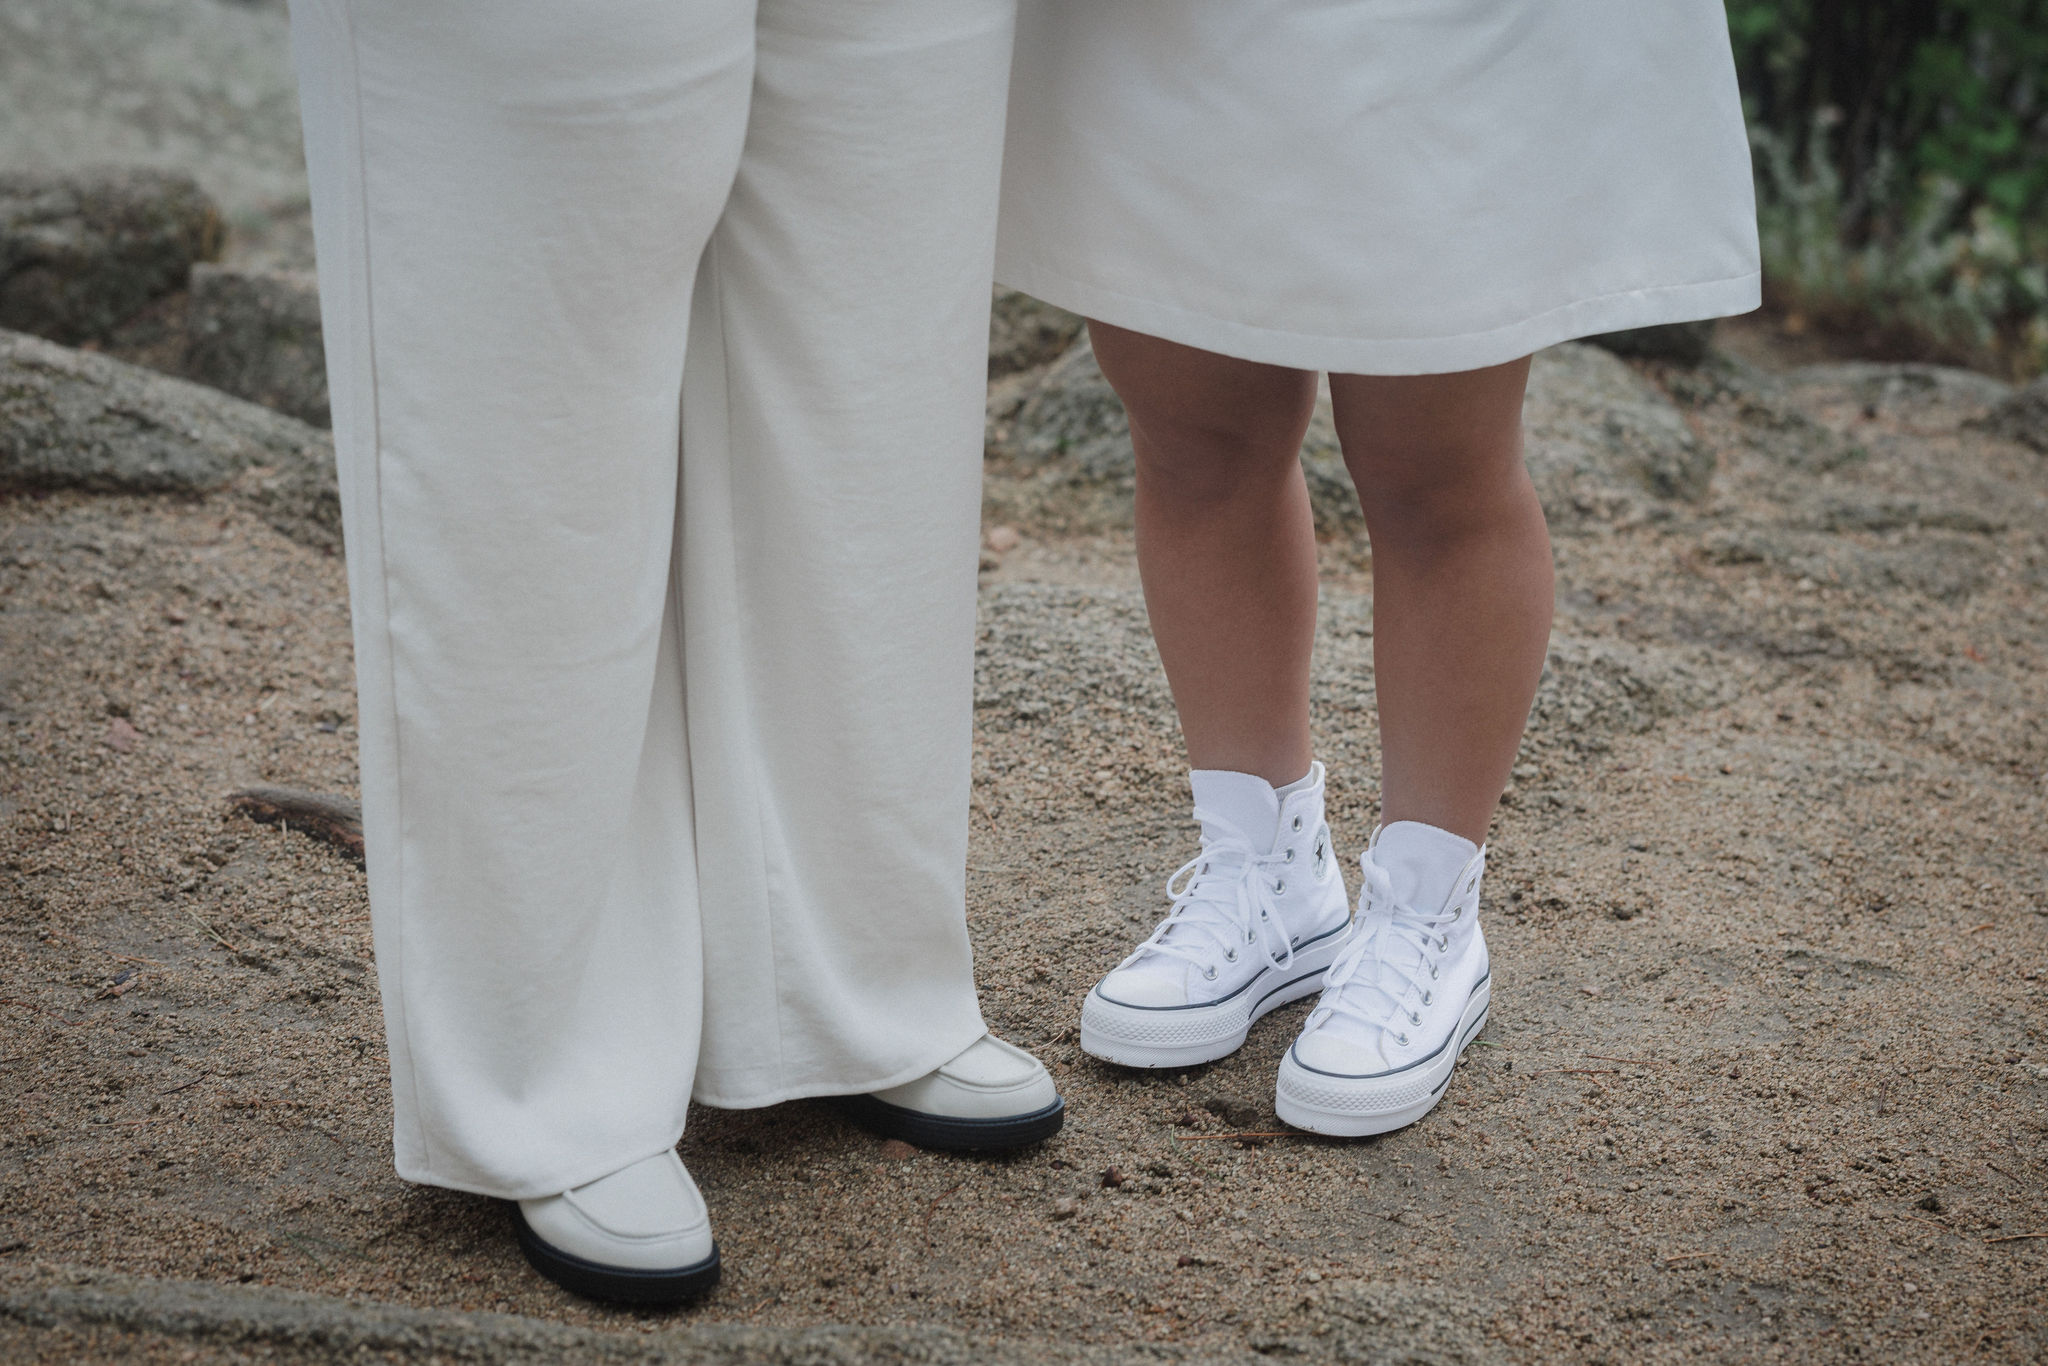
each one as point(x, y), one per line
point(1443, 945)
point(1432, 972)
point(1209, 973)
point(1290, 856)
point(1425, 1000)
point(1265, 915)
point(1455, 914)
point(1249, 937)
point(1297, 822)
point(1230, 956)
point(1401, 1039)
point(1413, 1018)
point(1279, 885)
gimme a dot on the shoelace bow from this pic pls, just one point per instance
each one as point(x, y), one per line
point(1226, 901)
point(1352, 991)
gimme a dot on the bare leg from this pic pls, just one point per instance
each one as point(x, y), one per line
point(1461, 583)
point(1226, 544)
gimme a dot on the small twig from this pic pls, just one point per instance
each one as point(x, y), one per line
point(2015, 1237)
point(1579, 1071)
point(1686, 1257)
point(31, 1005)
point(1930, 1223)
point(1212, 1138)
point(1978, 929)
point(218, 937)
point(186, 1087)
point(933, 1208)
point(2004, 1173)
point(1633, 1062)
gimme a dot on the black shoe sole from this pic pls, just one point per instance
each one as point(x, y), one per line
point(948, 1133)
point(616, 1284)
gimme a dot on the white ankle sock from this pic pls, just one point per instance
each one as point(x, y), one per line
point(1423, 861)
point(1283, 793)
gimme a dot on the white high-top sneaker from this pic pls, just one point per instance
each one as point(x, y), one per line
point(1257, 917)
point(1404, 998)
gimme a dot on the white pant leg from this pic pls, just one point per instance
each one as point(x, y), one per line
point(831, 509)
point(511, 204)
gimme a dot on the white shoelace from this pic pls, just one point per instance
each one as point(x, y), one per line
point(1374, 996)
point(1223, 899)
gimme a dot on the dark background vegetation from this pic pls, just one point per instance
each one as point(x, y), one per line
point(1902, 171)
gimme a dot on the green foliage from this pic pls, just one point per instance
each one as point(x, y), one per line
point(1902, 164)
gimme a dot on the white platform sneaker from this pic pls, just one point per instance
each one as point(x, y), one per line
point(1402, 1001)
point(638, 1236)
point(989, 1097)
point(1258, 916)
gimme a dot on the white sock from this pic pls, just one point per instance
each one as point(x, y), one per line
point(1283, 793)
point(1423, 861)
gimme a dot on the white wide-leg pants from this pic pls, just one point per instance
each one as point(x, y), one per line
point(656, 331)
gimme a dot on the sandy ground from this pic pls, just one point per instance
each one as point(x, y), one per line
point(1768, 903)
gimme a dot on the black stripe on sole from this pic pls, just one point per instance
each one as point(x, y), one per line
point(949, 1133)
point(616, 1284)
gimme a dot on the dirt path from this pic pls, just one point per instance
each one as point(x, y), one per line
point(1768, 908)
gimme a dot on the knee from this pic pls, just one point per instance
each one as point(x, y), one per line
point(1205, 458)
point(1430, 494)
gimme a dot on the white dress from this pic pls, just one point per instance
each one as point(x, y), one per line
point(1378, 186)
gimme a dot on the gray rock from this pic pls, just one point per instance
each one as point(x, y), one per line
point(196, 86)
point(1024, 332)
point(1940, 563)
point(81, 253)
point(2022, 416)
point(1602, 443)
point(1600, 686)
point(1681, 343)
point(79, 420)
point(256, 334)
point(1880, 388)
point(1072, 422)
point(1075, 418)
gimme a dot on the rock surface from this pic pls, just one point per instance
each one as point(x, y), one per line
point(1680, 343)
point(256, 334)
point(81, 253)
point(1602, 443)
point(202, 87)
point(2023, 416)
point(72, 419)
point(1025, 332)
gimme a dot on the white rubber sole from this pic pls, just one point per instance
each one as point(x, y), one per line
point(1357, 1107)
point(1186, 1036)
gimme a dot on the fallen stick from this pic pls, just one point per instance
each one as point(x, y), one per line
point(218, 937)
point(2015, 1237)
point(1579, 1071)
point(1686, 1257)
point(331, 820)
point(1213, 1138)
point(1633, 1062)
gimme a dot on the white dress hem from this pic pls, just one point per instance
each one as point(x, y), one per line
point(1614, 312)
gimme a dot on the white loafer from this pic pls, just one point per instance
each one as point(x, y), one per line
point(638, 1236)
point(988, 1097)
